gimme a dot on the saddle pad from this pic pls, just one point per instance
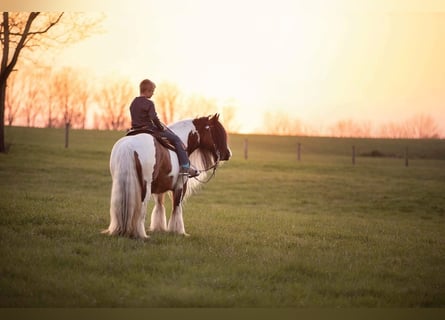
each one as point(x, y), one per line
point(158, 136)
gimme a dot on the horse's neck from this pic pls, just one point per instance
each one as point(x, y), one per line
point(182, 129)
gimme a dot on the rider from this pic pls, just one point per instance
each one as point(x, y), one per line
point(144, 116)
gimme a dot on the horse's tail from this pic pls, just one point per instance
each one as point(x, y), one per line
point(127, 211)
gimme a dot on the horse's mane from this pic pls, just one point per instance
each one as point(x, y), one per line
point(201, 160)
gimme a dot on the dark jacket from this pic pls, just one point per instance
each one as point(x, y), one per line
point(143, 114)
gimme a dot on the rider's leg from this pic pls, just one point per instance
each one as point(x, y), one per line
point(183, 159)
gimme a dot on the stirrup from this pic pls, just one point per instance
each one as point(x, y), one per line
point(195, 174)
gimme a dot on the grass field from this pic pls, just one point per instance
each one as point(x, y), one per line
point(269, 231)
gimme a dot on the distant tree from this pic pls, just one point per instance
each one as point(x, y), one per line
point(114, 99)
point(96, 120)
point(420, 126)
point(31, 30)
point(277, 123)
point(64, 84)
point(196, 105)
point(351, 128)
point(83, 95)
point(32, 107)
point(229, 118)
point(166, 98)
point(49, 97)
point(64, 91)
point(393, 130)
point(172, 105)
point(280, 123)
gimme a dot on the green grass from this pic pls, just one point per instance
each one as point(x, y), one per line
point(265, 232)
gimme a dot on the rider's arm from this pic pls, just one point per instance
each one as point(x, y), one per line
point(154, 117)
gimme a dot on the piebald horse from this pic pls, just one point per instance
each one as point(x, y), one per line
point(141, 167)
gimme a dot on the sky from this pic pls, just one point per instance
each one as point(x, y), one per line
point(318, 61)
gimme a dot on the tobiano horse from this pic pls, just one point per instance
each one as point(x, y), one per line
point(141, 168)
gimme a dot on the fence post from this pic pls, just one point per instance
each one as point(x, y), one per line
point(67, 134)
point(298, 151)
point(353, 155)
point(406, 157)
point(246, 148)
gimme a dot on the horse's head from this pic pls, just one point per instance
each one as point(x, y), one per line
point(212, 137)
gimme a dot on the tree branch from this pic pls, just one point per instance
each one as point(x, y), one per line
point(52, 24)
point(21, 43)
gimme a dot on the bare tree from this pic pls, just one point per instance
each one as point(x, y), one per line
point(96, 120)
point(114, 99)
point(419, 126)
point(82, 98)
point(393, 130)
point(166, 99)
point(64, 95)
point(79, 94)
point(229, 118)
point(32, 102)
point(49, 97)
point(35, 30)
point(280, 123)
point(198, 105)
point(351, 128)
point(422, 126)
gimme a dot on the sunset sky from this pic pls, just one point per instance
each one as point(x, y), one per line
point(319, 61)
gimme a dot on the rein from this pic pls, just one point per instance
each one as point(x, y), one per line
point(211, 176)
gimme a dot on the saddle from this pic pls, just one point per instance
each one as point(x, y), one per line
point(157, 135)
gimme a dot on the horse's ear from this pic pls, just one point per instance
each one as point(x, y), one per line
point(215, 117)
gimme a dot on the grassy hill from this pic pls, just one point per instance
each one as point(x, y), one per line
point(269, 231)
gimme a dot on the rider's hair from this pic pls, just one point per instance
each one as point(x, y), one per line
point(146, 85)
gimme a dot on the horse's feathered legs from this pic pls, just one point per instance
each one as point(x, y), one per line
point(176, 222)
point(158, 218)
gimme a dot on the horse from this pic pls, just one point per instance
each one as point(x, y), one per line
point(142, 167)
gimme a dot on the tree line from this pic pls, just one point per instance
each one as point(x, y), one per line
point(57, 98)
point(418, 126)
point(46, 97)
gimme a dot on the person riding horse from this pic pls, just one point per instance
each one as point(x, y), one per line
point(144, 116)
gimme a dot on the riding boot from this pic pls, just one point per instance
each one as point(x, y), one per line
point(188, 171)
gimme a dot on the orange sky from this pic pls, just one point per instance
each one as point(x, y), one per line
point(319, 61)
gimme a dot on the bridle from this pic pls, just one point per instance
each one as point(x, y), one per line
point(215, 165)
